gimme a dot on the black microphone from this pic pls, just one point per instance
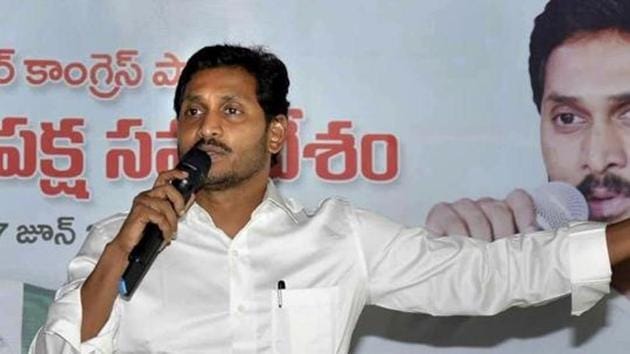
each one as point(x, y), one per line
point(197, 163)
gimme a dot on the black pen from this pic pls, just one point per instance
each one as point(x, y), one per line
point(281, 286)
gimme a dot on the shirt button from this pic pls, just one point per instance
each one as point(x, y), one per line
point(234, 253)
point(240, 308)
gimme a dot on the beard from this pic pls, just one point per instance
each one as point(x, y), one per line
point(251, 163)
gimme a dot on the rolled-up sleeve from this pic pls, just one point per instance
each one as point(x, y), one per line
point(413, 271)
point(62, 331)
point(589, 265)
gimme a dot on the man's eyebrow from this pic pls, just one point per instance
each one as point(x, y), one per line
point(197, 98)
point(554, 97)
point(572, 101)
point(619, 101)
point(192, 97)
point(621, 98)
point(226, 98)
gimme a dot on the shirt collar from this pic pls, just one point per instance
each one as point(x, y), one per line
point(273, 195)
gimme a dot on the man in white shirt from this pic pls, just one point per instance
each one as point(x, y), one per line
point(253, 272)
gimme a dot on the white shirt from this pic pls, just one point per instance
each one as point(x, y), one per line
point(545, 329)
point(212, 294)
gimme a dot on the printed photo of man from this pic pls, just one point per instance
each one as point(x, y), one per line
point(579, 69)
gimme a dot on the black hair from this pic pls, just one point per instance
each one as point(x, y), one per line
point(562, 20)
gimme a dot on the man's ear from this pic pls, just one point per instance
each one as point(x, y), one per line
point(277, 133)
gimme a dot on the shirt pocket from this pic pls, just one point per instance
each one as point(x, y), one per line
point(304, 320)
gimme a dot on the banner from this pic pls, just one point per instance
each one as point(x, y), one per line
point(394, 106)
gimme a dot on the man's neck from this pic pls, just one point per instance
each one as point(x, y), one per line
point(232, 208)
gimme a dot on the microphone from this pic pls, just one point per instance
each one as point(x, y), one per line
point(197, 163)
point(557, 204)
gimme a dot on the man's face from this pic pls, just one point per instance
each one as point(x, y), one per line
point(220, 107)
point(585, 121)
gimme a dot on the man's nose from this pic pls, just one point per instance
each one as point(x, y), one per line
point(605, 148)
point(211, 125)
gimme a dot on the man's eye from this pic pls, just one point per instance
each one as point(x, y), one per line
point(567, 123)
point(191, 112)
point(625, 118)
point(232, 110)
point(564, 119)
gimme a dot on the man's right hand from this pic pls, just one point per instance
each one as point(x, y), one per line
point(161, 205)
point(486, 218)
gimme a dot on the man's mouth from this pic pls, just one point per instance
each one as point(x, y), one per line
point(608, 196)
point(606, 205)
point(215, 152)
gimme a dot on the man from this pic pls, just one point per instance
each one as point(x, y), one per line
point(580, 76)
point(253, 272)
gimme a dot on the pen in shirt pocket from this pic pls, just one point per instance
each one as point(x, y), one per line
point(281, 286)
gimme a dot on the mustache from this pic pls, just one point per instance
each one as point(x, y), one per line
point(206, 142)
point(213, 142)
point(609, 181)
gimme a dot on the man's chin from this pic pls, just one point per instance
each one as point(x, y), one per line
point(221, 182)
point(218, 181)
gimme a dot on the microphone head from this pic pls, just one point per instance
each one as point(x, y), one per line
point(557, 204)
point(197, 163)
